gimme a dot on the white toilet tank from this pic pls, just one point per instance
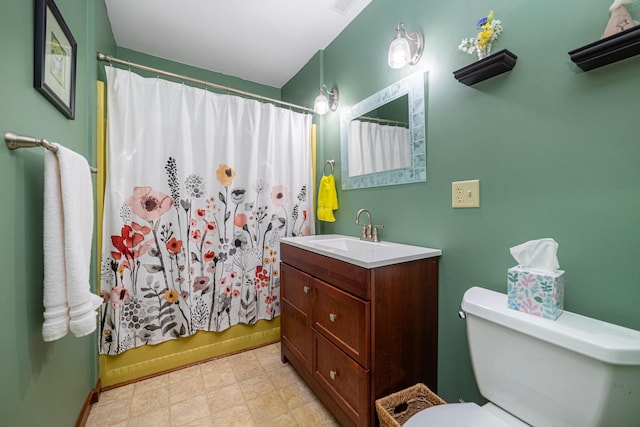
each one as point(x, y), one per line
point(574, 371)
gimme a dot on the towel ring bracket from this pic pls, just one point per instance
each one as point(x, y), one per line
point(331, 164)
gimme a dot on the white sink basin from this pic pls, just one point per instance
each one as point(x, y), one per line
point(359, 252)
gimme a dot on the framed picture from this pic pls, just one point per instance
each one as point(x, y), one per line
point(55, 57)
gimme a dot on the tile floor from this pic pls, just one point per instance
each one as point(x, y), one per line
point(250, 389)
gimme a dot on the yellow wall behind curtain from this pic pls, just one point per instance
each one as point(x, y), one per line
point(149, 360)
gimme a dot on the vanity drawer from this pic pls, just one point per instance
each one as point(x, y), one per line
point(345, 380)
point(349, 277)
point(343, 319)
point(296, 287)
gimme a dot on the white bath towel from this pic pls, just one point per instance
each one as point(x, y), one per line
point(68, 231)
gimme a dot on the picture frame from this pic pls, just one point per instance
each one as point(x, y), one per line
point(55, 57)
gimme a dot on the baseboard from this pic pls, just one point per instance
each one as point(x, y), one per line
point(93, 397)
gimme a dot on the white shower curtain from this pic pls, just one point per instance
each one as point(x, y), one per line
point(200, 187)
point(377, 148)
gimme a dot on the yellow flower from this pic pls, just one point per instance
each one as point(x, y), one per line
point(171, 296)
point(489, 18)
point(484, 37)
point(225, 175)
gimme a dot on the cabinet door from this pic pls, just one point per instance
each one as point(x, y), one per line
point(295, 321)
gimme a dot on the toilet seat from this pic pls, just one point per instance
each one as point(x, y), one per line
point(457, 415)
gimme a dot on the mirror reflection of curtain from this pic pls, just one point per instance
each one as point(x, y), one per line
point(200, 187)
point(377, 148)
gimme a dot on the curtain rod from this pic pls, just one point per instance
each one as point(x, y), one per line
point(375, 119)
point(109, 58)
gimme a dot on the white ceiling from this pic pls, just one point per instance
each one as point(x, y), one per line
point(264, 41)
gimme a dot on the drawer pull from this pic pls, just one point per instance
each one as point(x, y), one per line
point(332, 317)
point(306, 289)
point(333, 374)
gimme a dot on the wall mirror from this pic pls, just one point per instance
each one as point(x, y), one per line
point(382, 138)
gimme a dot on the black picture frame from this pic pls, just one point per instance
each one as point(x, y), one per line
point(55, 57)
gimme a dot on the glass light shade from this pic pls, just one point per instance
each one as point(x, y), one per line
point(399, 52)
point(321, 104)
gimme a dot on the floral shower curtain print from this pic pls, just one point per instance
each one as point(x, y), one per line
point(200, 187)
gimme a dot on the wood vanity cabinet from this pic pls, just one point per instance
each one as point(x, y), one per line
point(356, 334)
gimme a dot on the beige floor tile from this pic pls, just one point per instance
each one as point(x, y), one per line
point(157, 418)
point(285, 420)
point(283, 376)
point(314, 414)
point(203, 422)
point(237, 416)
point(147, 401)
point(218, 375)
point(256, 387)
point(188, 388)
point(105, 414)
point(270, 361)
point(190, 410)
point(215, 366)
point(267, 351)
point(266, 407)
point(151, 384)
point(246, 356)
point(296, 394)
point(223, 398)
point(184, 374)
point(247, 368)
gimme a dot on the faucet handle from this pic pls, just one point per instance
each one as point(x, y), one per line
point(363, 236)
point(374, 236)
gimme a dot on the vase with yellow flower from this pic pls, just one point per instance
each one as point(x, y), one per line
point(488, 31)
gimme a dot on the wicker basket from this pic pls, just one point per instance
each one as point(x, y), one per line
point(394, 410)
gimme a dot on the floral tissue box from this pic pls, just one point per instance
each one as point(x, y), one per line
point(540, 293)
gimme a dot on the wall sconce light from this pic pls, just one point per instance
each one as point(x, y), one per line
point(325, 103)
point(406, 48)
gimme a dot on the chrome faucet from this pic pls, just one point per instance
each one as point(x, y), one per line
point(369, 232)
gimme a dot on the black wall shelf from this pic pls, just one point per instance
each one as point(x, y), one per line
point(614, 48)
point(491, 66)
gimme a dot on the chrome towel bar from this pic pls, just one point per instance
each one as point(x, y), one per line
point(15, 141)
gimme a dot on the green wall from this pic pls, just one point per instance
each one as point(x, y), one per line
point(555, 149)
point(42, 383)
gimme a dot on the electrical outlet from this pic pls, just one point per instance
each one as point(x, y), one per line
point(465, 194)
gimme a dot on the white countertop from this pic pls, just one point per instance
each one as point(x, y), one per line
point(359, 252)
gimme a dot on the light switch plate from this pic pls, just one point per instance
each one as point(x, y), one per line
point(465, 194)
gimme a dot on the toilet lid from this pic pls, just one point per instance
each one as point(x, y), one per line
point(455, 415)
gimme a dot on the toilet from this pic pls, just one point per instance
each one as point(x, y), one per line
point(574, 371)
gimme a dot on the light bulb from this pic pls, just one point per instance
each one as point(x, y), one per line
point(321, 104)
point(399, 52)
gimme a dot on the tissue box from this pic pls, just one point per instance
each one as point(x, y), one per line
point(540, 293)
